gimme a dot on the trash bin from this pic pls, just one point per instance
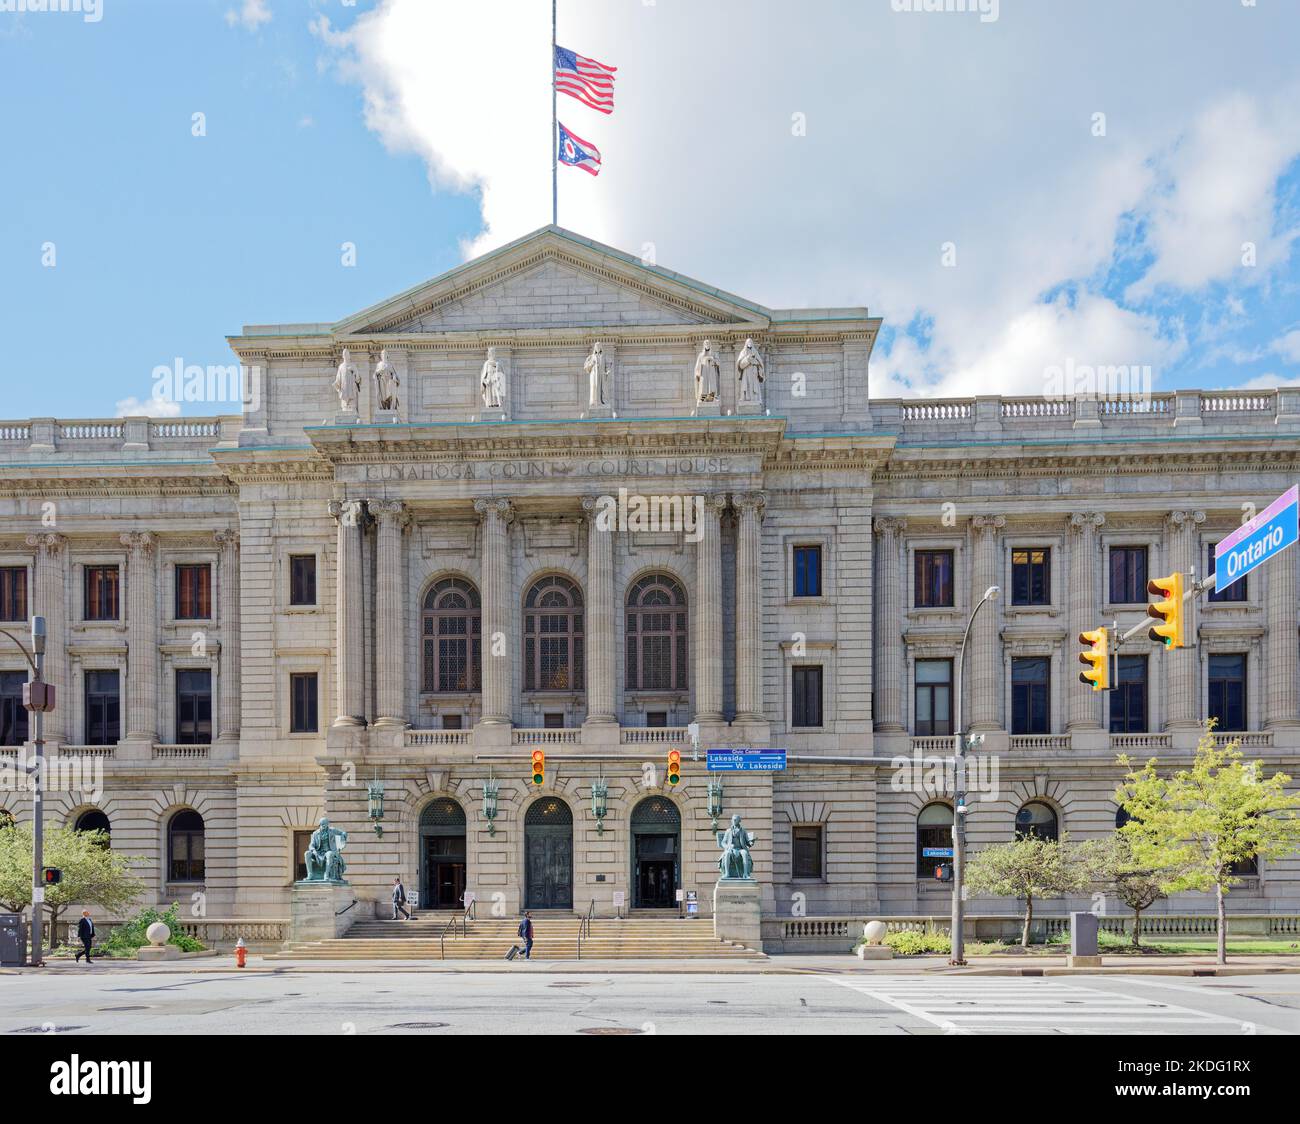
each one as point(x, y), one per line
point(13, 940)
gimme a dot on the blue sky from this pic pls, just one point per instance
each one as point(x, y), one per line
point(812, 154)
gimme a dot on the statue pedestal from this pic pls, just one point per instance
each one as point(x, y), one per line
point(749, 407)
point(386, 417)
point(738, 912)
point(314, 911)
point(346, 417)
point(493, 414)
point(707, 409)
point(875, 952)
point(599, 412)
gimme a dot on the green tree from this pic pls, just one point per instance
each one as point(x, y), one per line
point(1027, 868)
point(93, 874)
point(1195, 825)
point(1110, 863)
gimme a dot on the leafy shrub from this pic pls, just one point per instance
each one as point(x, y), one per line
point(129, 936)
point(919, 944)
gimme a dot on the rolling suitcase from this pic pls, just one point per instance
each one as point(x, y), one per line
point(514, 951)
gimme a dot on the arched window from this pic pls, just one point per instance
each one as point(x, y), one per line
point(452, 629)
point(7, 819)
point(185, 847)
point(1122, 816)
point(1037, 820)
point(656, 635)
point(933, 833)
point(94, 820)
point(553, 656)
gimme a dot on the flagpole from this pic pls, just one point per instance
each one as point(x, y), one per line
point(555, 133)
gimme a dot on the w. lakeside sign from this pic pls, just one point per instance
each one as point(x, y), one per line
point(1257, 540)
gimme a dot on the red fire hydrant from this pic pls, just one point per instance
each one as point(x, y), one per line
point(241, 953)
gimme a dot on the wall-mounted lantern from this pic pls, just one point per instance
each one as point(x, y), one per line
point(490, 787)
point(715, 800)
point(600, 803)
point(375, 797)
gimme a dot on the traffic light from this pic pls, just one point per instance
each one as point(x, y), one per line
point(674, 767)
point(1097, 658)
point(1169, 609)
point(51, 875)
point(539, 767)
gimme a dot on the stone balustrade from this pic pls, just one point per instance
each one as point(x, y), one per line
point(117, 435)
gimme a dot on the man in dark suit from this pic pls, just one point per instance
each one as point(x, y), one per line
point(526, 931)
point(399, 900)
point(85, 934)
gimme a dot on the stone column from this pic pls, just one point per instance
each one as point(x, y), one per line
point(497, 647)
point(1182, 667)
point(888, 715)
point(706, 613)
point(983, 667)
point(349, 656)
point(228, 592)
point(390, 614)
point(749, 607)
point(1283, 660)
point(48, 596)
point(600, 615)
point(1083, 706)
point(142, 637)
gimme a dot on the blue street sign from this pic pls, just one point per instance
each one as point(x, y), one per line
point(936, 852)
point(1256, 541)
point(746, 760)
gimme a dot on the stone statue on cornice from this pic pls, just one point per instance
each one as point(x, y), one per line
point(597, 375)
point(386, 382)
point(347, 382)
point(750, 373)
point(492, 381)
point(708, 374)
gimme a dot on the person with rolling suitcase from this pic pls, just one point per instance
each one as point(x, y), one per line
point(526, 932)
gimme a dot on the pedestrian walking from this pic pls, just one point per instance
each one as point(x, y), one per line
point(85, 934)
point(399, 900)
point(526, 932)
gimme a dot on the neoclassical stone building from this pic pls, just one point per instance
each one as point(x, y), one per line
point(257, 618)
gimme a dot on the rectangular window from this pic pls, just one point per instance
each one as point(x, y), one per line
point(1234, 592)
point(1031, 576)
point(1128, 575)
point(806, 696)
point(194, 592)
point(13, 718)
point(933, 579)
point(656, 718)
point(13, 593)
point(1228, 691)
point(806, 852)
point(553, 721)
point(1128, 702)
point(302, 692)
point(103, 708)
point(933, 698)
point(807, 571)
point(451, 722)
point(100, 593)
point(301, 841)
point(194, 707)
point(1029, 695)
point(302, 579)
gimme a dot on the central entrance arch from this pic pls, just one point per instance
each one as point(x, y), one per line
point(548, 855)
point(656, 853)
point(442, 855)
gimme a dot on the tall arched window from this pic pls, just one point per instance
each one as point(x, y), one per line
point(656, 635)
point(553, 656)
point(185, 847)
point(1037, 820)
point(933, 833)
point(94, 820)
point(452, 629)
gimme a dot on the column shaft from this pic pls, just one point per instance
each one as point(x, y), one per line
point(888, 712)
point(600, 615)
point(1182, 667)
point(749, 607)
point(984, 656)
point(496, 646)
point(228, 591)
point(706, 613)
point(1083, 706)
point(390, 615)
point(142, 637)
point(47, 601)
point(350, 656)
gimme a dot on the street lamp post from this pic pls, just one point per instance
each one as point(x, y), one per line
point(958, 942)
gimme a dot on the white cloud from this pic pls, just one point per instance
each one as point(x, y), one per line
point(250, 16)
point(1288, 346)
point(147, 408)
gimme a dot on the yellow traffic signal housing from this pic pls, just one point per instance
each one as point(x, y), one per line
point(1097, 658)
point(539, 767)
point(1169, 609)
point(674, 766)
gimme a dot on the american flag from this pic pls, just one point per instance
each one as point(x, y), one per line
point(591, 82)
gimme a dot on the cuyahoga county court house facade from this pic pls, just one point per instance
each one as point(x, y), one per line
point(412, 564)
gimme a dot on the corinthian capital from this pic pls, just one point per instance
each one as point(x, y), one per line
point(139, 542)
point(495, 507)
point(390, 510)
point(227, 538)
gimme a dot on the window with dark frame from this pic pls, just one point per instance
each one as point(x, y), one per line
point(806, 696)
point(452, 623)
point(1031, 576)
point(553, 720)
point(103, 707)
point(1128, 701)
point(933, 579)
point(13, 718)
point(1030, 680)
point(933, 832)
point(298, 863)
point(1037, 820)
point(451, 722)
point(933, 698)
point(302, 579)
point(186, 847)
point(657, 635)
point(13, 593)
point(553, 636)
point(193, 706)
point(1128, 575)
point(807, 571)
point(1227, 696)
point(193, 592)
point(656, 719)
point(100, 593)
point(1234, 592)
point(806, 851)
point(303, 717)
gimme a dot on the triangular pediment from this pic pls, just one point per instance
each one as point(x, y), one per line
point(553, 279)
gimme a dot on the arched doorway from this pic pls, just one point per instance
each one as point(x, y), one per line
point(548, 855)
point(656, 853)
point(442, 855)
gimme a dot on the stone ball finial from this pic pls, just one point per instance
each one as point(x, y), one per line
point(874, 931)
point(158, 933)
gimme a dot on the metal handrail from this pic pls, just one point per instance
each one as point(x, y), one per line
point(442, 936)
point(584, 926)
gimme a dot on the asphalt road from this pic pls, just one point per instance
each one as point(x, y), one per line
point(557, 1002)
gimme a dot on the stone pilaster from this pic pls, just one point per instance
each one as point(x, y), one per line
point(1283, 667)
point(1182, 666)
point(350, 668)
point(707, 612)
point(600, 615)
point(142, 637)
point(749, 607)
point(1083, 707)
point(228, 610)
point(390, 614)
point(497, 647)
point(984, 657)
point(48, 595)
point(888, 714)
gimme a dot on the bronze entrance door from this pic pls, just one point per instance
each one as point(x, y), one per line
point(548, 855)
point(442, 855)
point(656, 834)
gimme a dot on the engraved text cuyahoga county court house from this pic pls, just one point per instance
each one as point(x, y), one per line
point(393, 567)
